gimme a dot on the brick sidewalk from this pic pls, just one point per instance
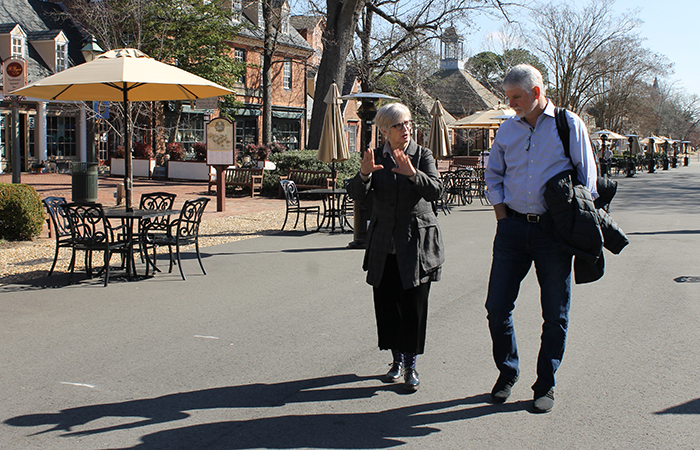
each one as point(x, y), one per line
point(59, 185)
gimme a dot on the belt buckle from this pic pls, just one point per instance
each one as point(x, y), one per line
point(532, 218)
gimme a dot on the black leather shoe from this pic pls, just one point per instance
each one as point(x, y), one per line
point(394, 374)
point(410, 380)
point(501, 390)
point(544, 401)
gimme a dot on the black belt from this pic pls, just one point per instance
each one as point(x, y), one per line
point(532, 218)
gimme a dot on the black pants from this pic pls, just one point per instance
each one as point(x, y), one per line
point(402, 314)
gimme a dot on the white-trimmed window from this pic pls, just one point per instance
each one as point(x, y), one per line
point(239, 56)
point(61, 56)
point(18, 46)
point(287, 79)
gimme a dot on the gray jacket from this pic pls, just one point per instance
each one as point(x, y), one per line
point(401, 210)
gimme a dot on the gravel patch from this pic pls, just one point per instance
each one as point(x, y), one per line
point(26, 260)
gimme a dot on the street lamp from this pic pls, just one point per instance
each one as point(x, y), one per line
point(650, 151)
point(367, 111)
point(91, 50)
point(674, 161)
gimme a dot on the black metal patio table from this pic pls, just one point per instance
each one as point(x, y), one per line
point(332, 210)
point(128, 219)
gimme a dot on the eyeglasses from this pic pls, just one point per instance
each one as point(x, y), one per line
point(399, 126)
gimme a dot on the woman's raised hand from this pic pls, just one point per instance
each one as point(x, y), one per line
point(368, 166)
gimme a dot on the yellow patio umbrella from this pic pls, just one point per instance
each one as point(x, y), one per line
point(123, 75)
point(334, 142)
point(439, 140)
point(653, 141)
point(609, 135)
point(491, 118)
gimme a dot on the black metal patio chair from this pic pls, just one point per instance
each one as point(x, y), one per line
point(92, 232)
point(291, 195)
point(180, 232)
point(155, 225)
point(60, 225)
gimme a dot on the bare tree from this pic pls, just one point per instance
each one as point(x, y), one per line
point(570, 42)
point(631, 69)
point(341, 20)
point(404, 27)
point(271, 24)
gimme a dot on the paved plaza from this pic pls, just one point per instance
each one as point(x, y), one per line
point(276, 348)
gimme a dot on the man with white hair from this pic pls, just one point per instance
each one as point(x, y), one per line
point(526, 153)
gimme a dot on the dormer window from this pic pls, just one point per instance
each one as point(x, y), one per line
point(61, 56)
point(18, 46)
point(236, 8)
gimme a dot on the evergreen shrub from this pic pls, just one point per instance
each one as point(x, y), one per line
point(21, 212)
point(306, 160)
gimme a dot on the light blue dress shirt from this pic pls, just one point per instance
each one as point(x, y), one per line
point(523, 159)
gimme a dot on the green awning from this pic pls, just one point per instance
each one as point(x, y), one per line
point(292, 115)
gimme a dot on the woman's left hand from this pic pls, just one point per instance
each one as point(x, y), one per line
point(405, 166)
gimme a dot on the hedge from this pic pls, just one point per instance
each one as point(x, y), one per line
point(21, 212)
point(306, 160)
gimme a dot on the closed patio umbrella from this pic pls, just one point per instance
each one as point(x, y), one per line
point(439, 140)
point(123, 75)
point(334, 142)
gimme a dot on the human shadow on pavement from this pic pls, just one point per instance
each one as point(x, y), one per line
point(654, 233)
point(325, 430)
point(691, 407)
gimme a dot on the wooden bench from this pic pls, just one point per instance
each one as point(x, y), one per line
point(465, 161)
point(251, 177)
point(309, 179)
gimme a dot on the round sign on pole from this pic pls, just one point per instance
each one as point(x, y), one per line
point(14, 75)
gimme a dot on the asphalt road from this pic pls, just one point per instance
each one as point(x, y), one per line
point(276, 348)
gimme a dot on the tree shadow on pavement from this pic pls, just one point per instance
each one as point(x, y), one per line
point(326, 430)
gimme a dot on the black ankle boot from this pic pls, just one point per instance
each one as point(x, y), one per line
point(410, 380)
point(397, 367)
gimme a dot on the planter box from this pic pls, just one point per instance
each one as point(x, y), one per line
point(116, 166)
point(188, 170)
point(141, 167)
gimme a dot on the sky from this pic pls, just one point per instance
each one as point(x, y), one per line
point(670, 27)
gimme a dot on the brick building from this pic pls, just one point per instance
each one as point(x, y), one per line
point(34, 31)
point(289, 77)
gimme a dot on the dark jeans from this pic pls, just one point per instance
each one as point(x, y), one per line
point(402, 314)
point(517, 244)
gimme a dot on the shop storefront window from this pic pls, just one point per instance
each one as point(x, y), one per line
point(60, 136)
point(2, 140)
point(102, 139)
point(189, 131)
point(286, 132)
point(246, 131)
point(30, 125)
